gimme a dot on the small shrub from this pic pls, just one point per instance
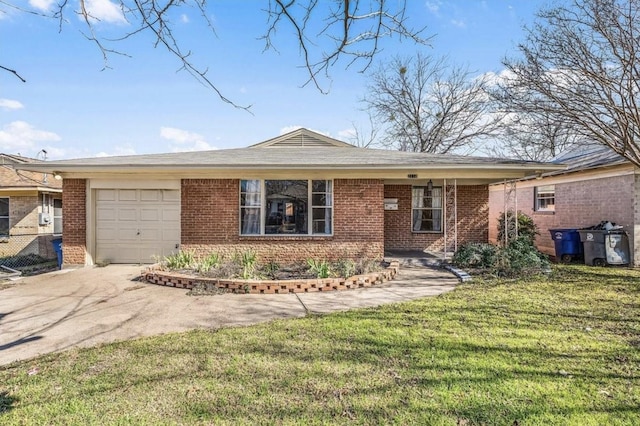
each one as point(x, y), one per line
point(320, 268)
point(346, 268)
point(519, 257)
point(271, 269)
point(209, 262)
point(179, 260)
point(476, 255)
point(364, 266)
point(247, 261)
point(526, 227)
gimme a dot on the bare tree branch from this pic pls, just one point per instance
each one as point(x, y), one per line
point(325, 32)
point(429, 106)
point(353, 27)
point(579, 65)
point(365, 137)
point(14, 72)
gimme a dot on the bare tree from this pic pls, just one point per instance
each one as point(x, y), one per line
point(325, 32)
point(365, 136)
point(579, 65)
point(532, 137)
point(426, 105)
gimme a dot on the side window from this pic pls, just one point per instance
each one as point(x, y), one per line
point(57, 216)
point(545, 198)
point(4, 216)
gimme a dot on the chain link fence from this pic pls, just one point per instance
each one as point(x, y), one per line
point(27, 253)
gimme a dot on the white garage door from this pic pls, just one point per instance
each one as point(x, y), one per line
point(136, 225)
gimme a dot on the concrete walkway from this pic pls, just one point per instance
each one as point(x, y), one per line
point(88, 306)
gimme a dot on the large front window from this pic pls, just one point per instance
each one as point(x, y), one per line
point(287, 207)
point(426, 209)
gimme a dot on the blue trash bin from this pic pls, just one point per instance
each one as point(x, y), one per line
point(567, 243)
point(57, 247)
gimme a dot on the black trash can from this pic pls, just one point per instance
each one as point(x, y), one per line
point(567, 243)
point(602, 247)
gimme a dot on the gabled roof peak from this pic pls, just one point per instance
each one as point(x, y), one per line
point(302, 138)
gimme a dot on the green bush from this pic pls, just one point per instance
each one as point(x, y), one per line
point(526, 227)
point(519, 257)
point(476, 255)
point(346, 268)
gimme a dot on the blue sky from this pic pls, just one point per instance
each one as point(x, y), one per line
point(72, 108)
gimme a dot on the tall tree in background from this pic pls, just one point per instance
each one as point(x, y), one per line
point(326, 33)
point(532, 137)
point(427, 105)
point(579, 66)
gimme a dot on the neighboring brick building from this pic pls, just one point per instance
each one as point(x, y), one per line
point(598, 185)
point(298, 196)
point(30, 210)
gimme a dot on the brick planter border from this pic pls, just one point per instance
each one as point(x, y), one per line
point(154, 275)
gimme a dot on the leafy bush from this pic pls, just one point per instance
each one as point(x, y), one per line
point(519, 257)
point(346, 268)
point(526, 227)
point(476, 255)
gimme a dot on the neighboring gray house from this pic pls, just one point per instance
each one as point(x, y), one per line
point(597, 185)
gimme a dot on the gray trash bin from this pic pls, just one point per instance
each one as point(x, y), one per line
point(602, 247)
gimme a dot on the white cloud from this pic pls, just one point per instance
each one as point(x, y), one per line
point(20, 136)
point(104, 10)
point(43, 5)
point(118, 150)
point(184, 18)
point(183, 140)
point(458, 23)
point(434, 7)
point(8, 104)
point(347, 134)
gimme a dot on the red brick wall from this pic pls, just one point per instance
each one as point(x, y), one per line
point(473, 216)
point(74, 224)
point(210, 223)
point(578, 204)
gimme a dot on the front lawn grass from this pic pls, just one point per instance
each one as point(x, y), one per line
point(563, 350)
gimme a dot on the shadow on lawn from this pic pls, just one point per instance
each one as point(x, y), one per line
point(6, 402)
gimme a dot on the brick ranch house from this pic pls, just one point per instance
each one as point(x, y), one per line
point(597, 185)
point(297, 196)
point(30, 209)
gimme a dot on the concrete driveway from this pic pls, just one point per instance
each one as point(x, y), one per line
point(84, 307)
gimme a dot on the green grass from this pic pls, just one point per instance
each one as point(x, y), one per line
point(557, 351)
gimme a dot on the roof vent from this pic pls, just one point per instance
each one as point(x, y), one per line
point(412, 176)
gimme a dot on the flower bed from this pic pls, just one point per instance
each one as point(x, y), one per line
point(155, 275)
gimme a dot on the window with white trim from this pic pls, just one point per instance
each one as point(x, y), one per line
point(545, 198)
point(4, 216)
point(57, 215)
point(286, 207)
point(426, 209)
